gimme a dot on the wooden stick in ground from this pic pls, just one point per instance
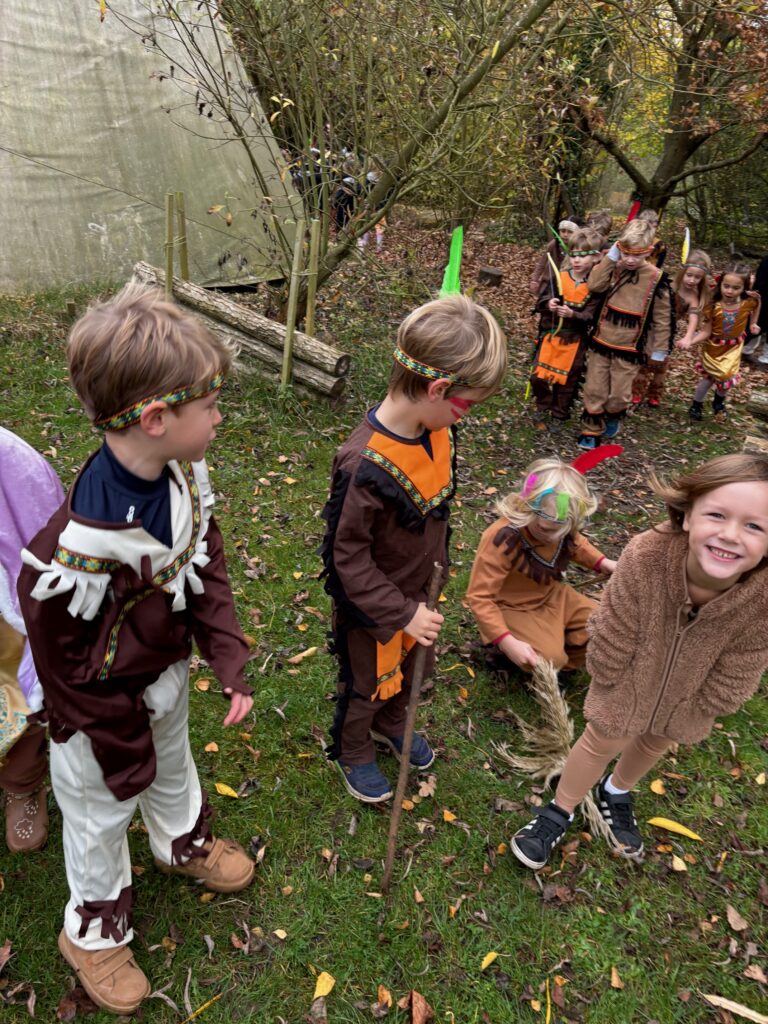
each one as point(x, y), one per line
point(181, 220)
point(293, 300)
point(410, 723)
point(169, 236)
point(314, 257)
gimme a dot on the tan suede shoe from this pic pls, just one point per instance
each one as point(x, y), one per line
point(111, 977)
point(226, 868)
point(26, 820)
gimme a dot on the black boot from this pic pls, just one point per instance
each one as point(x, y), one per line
point(718, 408)
point(695, 411)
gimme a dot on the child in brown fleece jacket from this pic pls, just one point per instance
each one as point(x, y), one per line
point(677, 640)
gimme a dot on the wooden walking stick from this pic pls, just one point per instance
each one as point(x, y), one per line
point(410, 721)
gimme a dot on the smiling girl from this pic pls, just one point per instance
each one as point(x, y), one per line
point(677, 640)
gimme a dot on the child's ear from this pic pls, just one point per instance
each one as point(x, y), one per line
point(152, 419)
point(436, 389)
point(686, 522)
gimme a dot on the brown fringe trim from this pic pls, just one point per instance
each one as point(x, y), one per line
point(524, 557)
point(116, 915)
point(183, 848)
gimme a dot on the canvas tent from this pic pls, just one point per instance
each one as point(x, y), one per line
point(97, 127)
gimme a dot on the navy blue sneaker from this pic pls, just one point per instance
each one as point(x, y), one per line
point(365, 782)
point(534, 843)
point(612, 426)
point(587, 443)
point(422, 755)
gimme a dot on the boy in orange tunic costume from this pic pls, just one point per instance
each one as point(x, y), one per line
point(387, 515)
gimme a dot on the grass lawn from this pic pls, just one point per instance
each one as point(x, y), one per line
point(613, 942)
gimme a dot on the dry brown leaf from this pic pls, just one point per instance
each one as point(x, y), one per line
point(427, 786)
point(206, 897)
point(384, 996)
point(419, 899)
point(421, 1011)
point(616, 981)
point(738, 1008)
point(735, 920)
point(211, 748)
point(203, 685)
point(287, 890)
point(756, 973)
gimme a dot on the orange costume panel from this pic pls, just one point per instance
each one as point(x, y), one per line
point(516, 586)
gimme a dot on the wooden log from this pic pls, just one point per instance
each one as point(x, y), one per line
point(755, 445)
point(303, 373)
point(309, 350)
point(758, 405)
point(490, 275)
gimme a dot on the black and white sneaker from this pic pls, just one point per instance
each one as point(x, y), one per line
point(619, 813)
point(534, 843)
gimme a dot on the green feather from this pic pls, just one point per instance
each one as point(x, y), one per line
point(562, 501)
point(451, 277)
point(565, 248)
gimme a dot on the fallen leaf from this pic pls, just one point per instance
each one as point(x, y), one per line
point(448, 815)
point(678, 864)
point(211, 748)
point(224, 790)
point(317, 1011)
point(501, 849)
point(738, 1008)
point(488, 959)
point(421, 1011)
point(658, 787)
point(408, 805)
point(756, 973)
point(760, 779)
point(298, 658)
point(427, 786)
point(616, 981)
point(5, 953)
point(676, 827)
point(384, 996)
point(203, 685)
point(280, 933)
point(323, 985)
point(206, 897)
point(735, 920)
point(417, 896)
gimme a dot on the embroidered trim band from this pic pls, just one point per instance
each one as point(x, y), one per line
point(131, 415)
point(424, 370)
point(697, 266)
point(629, 251)
point(585, 252)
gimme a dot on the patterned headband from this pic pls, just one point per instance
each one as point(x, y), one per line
point(131, 415)
point(697, 266)
point(425, 370)
point(585, 252)
point(630, 251)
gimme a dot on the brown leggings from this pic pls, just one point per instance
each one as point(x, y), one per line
point(593, 752)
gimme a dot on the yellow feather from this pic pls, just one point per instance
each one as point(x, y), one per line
point(673, 826)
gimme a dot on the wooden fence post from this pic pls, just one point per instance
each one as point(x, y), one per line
point(293, 298)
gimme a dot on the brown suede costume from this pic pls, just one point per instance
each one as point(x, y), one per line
point(387, 518)
point(655, 667)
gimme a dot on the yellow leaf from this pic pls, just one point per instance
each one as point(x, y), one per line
point(678, 864)
point(408, 805)
point(442, 599)
point(384, 996)
point(470, 670)
point(206, 897)
point(290, 480)
point(224, 790)
point(536, 1005)
point(495, 49)
point(463, 692)
point(673, 826)
point(448, 815)
point(298, 658)
point(760, 780)
point(102, 9)
point(560, 980)
point(417, 896)
point(488, 960)
point(324, 984)
point(211, 748)
point(658, 787)
point(280, 933)
point(302, 627)
point(501, 849)
point(202, 685)
point(616, 981)
point(298, 575)
point(452, 910)
point(287, 890)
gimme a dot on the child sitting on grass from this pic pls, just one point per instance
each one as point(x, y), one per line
point(516, 592)
point(677, 640)
point(115, 587)
point(387, 524)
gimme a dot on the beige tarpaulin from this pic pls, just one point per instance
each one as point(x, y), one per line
point(96, 127)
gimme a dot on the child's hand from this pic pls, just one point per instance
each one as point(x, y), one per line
point(753, 295)
point(553, 304)
point(562, 311)
point(425, 625)
point(754, 328)
point(239, 706)
point(684, 343)
point(607, 566)
point(518, 651)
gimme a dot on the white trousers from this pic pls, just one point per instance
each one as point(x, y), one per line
point(95, 822)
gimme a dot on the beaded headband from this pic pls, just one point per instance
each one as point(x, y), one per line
point(425, 370)
point(696, 266)
point(585, 252)
point(628, 250)
point(131, 415)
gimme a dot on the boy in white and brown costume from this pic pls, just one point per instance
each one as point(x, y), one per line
point(126, 573)
point(635, 323)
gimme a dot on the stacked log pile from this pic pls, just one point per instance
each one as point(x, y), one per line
point(758, 406)
point(317, 367)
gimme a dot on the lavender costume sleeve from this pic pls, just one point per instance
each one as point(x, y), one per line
point(30, 492)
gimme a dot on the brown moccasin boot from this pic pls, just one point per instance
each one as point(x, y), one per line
point(111, 977)
point(226, 868)
point(26, 820)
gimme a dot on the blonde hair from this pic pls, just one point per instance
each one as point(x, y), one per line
point(699, 260)
point(638, 234)
point(139, 344)
point(681, 492)
point(555, 477)
point(602, 221)
point(586, 238)
point(454, 335)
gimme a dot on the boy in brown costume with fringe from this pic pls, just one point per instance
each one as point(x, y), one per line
point(635, 323)
point(387, 524)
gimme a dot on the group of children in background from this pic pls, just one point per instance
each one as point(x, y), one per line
point(614, 309)
point(106, 590)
